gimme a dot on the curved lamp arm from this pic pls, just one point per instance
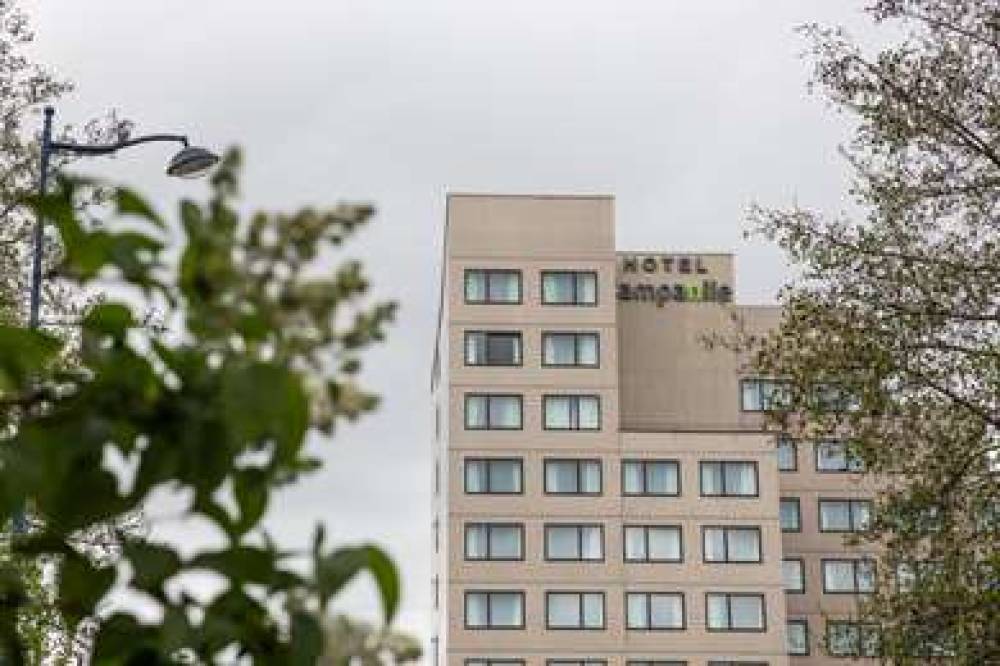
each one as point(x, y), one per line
point(105, 149)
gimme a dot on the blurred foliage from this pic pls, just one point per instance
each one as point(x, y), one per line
point(898, 311)
point(351, 642)
point(263, 349)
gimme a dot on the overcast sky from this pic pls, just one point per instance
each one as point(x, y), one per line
point(685, 110)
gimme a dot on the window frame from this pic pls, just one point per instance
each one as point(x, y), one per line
point(575, 662)
point(795, 453)
point(644, 463)
point(649, 594)
point(576, 350)
point(802, 575)
point(580, 596)
point(579, 476)
point(729, 612)
point(851, 502)
point(645, 527)
point(858, 651)
point(493, 332)
point(855, 563)
point(574, 410)
point(486, 661)
point(489, 475)
point(489, 620)
point(489, 410)
point(579, 542)
point(802, 622)
point(725, 540)
point(486, 273)
point(798, 512)
point(725, 494)
point(576, 273)
point(759, 380)
point(847, 458)
point(489, 537)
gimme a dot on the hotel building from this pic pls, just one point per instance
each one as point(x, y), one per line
point(606, 490)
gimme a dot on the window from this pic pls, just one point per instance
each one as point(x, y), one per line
point(651, 477)
point(571, 350)
point(654, 610)
point(851, 639)
point(910, 575)
point(835, 456)
point(844, 515)
point(576, 662)
point(716, 662)
point(731, 544)
point(494, 610)
point(848, 576)
point(653, 543)
point(493, 662)
point(762, 395)
point(494, 541)
point(734, 612)
point(572, 412)
point(492, 348)
point(573, 477)
point(793, 575)
point(835, 398)
point(492, 412)
point(569, 287)
point(574, 610)
point(728, 478)
point(574, 542)
point(493, 476)
point(492, 286)
point(789, 514)
point(797, 638)
point(658, 662)
point(788, 454)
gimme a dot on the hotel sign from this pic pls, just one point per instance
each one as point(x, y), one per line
point(665, 278)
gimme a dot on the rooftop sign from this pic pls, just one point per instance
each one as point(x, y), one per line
point(666, 278)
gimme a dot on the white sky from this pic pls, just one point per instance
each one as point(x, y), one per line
point(686, 110)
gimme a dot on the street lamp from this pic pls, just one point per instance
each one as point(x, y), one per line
point(189, 162)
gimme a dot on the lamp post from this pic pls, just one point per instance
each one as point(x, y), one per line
point(189, 162)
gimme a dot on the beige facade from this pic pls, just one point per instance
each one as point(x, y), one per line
point(605, 489)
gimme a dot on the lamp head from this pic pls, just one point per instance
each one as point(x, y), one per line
point(191, 162)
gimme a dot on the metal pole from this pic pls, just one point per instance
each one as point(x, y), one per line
point(20, 520)
point(39, 236)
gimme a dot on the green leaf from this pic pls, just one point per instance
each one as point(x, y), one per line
point(152, 565)
point(244, 564)
point(250, 487)
point(263, 402)
point(23, 354)
point(307, 639)
point(112, 319)
point(129, 202)
point(81, 587)
point(335, 570)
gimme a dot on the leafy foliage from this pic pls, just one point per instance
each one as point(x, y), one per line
point(349, 641)
point(265, 350)
point(901, 311)
point(25, 87)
